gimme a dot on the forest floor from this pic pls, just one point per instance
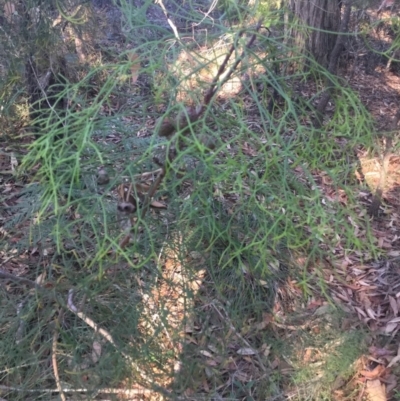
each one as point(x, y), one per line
point(367, 293)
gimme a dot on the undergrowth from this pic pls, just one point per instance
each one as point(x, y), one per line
point(240, 222)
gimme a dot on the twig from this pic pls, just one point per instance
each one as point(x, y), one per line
point(212, 90)
point(128, 392)
point(22, 323)
point(22, 280)
point(147, 174)
point(169, 20)
point(361, 395)
point(232, 327)
point(54, 362)
point(196, 114)
point(154, 187)
point(42, 85)
point(6, 260)
point(104, 333)
point(210, 10)
point(108, 337)
point(146, 203)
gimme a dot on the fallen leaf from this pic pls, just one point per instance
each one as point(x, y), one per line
point(102, 177)
point(248, 150)
point(158, 205)
point(9, 10)
point(375, 390)
point(40, 278)
point(246, 351)
point(393, 305)
point(373, 374)
point(266, 350)
point(206, 353)
point(390, 327)
point(371, 313)
point(96, 351)
point(14, 162)
point(135, 68)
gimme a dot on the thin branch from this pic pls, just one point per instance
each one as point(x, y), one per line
point(42, 86)
point(169, 20)
point(233, 329)
point(207, 14)
point(54, 362)
point(22, 323)
point(104, 333)
point(128, 392)
point(194, 116)
point(147, 175)
point(212, 90)
point(22, 280)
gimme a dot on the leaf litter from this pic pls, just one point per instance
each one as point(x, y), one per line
point(368, 289)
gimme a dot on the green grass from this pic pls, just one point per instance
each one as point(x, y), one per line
point(238, 219)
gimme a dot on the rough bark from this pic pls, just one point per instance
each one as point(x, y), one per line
point(332, 68)
point(321, 19)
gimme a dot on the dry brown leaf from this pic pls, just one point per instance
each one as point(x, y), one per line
point(375, 390)
point(393, 305)
point(206, 353)
point(359, 310)
point(241, 376)
point(9, 10)
point(262, 325)
point(141, 187)
point(135, 68)
point(248, 150)
point(212, 362)
point(373, 374)
point(158, 205)
point(266, 350)
point(96, 351)
point(371, 313)
point(40, 278)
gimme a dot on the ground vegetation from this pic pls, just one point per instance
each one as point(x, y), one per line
point(199, 200)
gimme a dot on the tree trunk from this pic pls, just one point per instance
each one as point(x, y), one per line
point(315, 18)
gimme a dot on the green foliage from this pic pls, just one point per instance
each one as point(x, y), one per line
point(331, 357)
point(325, 358)
point(251, 208)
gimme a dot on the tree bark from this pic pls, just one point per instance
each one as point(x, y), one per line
point(321, 19)
point(332, 68)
